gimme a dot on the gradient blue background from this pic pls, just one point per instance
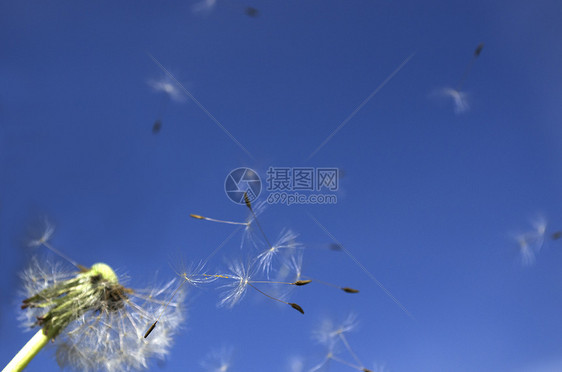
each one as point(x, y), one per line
point(427, 204)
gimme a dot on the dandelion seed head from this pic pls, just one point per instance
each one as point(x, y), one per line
point(95, 322)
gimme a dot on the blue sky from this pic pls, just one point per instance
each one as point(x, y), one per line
point(429, 200)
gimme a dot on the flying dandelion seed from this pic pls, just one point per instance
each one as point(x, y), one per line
point(291, 269)
point(459, 98)
point(218, 360)
point(249, 235)
point(241, 278)
point(332, 335)
point(296, 364)
point(335, 247)
point(556, 235)
point(287, 241)
point(171, 92)
point(531, 242)
point(328, 332)
point(156, 126)
point(477, 52)
point(205, 6)
point(251, 12)
point(240, 275)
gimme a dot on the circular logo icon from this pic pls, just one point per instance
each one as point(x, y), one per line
point(242, 181)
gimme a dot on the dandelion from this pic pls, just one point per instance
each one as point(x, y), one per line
point(93, 321)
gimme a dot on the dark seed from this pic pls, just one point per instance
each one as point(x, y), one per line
point(297, 307)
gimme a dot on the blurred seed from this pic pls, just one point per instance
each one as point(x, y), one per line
point(335, 247)
point(557, 235)
point(156, 127)
point(251, 12)
point(478, 49)
point(349, 290)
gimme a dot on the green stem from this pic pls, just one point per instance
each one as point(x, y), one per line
point(28, 352)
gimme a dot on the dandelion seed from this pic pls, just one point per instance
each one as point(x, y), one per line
point(296, 307)
point(335, 247)
point(296, 364)
point(331, 335)
point(477, 52)
point(251, 12)
point(478, 49)
point(169, 87)
point(196, 216)
point(240, 275)
point(287, 241)
point(156, 126)
point(531, 242)
point(193, 275)
point(345, 289)
point(460, 99)
point(47, 233)
point(218, 360)
point(204, 6)
point(248, 234)
point(556, 235)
